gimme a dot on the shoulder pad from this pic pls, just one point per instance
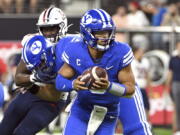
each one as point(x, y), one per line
point(27, 37)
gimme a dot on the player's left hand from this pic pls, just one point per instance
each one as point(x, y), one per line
point(79, 85)
point(101, 84)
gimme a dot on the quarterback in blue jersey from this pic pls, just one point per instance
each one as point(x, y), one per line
point(38, 102)
point(95, 113)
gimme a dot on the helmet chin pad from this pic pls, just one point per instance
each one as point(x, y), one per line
point(98, 46)
point(102, 48)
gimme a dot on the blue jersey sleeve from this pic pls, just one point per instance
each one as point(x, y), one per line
point(59, 48)
point(127, 56)
point(58, 51)
point(70, 52)
point(66, 53)
point(65, 56)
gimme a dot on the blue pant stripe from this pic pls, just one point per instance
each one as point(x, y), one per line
point(138, 110)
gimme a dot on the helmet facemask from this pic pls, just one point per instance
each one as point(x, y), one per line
point(91, 40)
point(103, 44)
point(51, 33)
point(47, 62)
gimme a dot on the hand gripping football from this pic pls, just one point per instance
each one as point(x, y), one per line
point(92, 74)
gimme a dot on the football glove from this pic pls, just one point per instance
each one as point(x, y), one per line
point(39, 78)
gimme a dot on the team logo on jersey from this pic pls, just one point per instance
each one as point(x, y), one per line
point(110, 67)
point(87, 19)
point(36, 47)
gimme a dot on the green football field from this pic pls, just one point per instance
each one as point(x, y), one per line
point(156, 131)
point(162, 131)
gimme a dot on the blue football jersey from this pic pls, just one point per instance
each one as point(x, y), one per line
point(59, 48)
point(76, 54)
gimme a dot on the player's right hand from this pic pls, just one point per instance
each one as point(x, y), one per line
point(40, 77)
point(79, 85)
point(101, 84)
point(34, 78)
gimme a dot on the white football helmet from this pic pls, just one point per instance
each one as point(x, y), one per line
point(53, 17)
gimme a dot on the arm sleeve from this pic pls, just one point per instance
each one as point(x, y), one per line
point(63, 84)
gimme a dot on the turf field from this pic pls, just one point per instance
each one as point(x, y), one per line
point(162, 131)
point(156, 131)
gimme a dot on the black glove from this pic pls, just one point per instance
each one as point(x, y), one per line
point(40, 78)
point(46, 76)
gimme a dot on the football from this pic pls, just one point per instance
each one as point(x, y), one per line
point(92, 74)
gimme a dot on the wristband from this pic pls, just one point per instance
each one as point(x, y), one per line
point(117, 89)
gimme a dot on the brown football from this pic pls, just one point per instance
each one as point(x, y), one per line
point(92, 74)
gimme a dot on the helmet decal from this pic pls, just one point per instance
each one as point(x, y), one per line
point(48, 13)
point(36, 47)
point(103, 18)
point(44, 15)
point(107, 17)
point(87, 19)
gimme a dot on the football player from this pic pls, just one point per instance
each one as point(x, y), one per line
point(38, 103)
point(95, 113)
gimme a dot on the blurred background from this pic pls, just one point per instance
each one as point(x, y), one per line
point(153, 25)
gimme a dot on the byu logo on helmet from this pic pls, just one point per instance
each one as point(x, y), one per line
point(87, 19)
point(36, 47)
